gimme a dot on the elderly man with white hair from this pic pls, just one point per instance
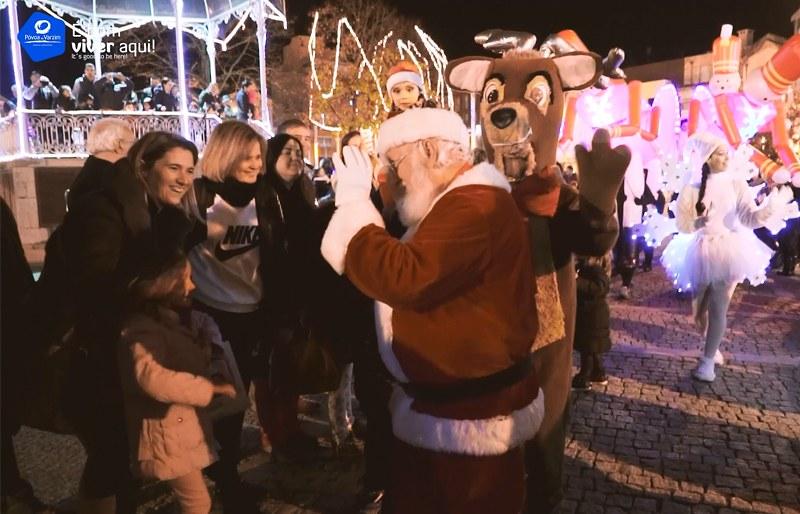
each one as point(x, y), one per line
point(108, 141)
point(455, 314)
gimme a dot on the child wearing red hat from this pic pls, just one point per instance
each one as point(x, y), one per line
point(406, 88)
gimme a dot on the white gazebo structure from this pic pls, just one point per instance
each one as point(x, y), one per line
point(41, 151)
point(47, 133)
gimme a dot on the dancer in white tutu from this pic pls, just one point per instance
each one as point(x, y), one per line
point(716, 249)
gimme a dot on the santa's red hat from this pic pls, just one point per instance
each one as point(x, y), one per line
point(404, 71)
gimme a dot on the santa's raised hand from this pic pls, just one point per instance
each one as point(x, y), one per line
point(353, 176)
point(354, 210)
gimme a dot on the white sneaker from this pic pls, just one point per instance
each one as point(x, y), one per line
point(704, 370)
point(719, 360)
point(625, 293)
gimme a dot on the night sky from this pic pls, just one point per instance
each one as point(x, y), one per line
point(648, 30)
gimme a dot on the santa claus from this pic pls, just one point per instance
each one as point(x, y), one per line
point(455, 314)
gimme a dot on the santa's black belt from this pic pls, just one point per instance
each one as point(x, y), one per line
point(470, 387)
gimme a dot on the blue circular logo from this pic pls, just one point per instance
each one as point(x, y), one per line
point(42, 27)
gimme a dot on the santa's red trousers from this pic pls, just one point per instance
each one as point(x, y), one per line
point(427, 482)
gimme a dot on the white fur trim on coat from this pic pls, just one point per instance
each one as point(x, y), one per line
point(383, 326)
point(479, 437)
point(482, 174)
point(344, 225)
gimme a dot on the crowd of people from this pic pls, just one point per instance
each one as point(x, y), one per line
point(185, 280)
point(114, 91)
point(175, 268)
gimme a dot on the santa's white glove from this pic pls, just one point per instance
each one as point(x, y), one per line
point(354, 179)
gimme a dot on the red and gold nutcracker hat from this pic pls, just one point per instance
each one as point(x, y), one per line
point(773, 80)
point(726, 52)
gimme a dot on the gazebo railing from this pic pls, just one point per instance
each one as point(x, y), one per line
point(52, 133)
point(9, 140)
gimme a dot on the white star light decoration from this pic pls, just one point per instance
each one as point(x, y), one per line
point(600, 108)
point(754, 117)
point(674, 172)
point(655, 227)
point(739, 163)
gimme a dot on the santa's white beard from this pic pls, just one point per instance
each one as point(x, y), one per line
point(413, 204)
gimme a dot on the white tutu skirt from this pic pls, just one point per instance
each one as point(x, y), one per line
point(703, 258)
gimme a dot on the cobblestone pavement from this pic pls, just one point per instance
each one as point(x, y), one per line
point(652, 440)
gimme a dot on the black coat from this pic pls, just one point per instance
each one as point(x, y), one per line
point(112, 93)
point(95, 175)
point(16, 282)
point(84, 92)
point(209, 102)
point(44, 98)
point(66, 103)
point(162, 98)
point(592, 315)
point(103, 244)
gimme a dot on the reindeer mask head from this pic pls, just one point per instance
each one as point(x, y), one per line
point(522, 98)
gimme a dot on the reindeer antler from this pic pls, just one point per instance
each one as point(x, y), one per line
point(501, 41)
point(568, 41)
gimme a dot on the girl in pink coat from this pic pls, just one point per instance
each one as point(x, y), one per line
point(165, 353)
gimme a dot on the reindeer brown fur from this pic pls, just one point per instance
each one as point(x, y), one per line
point(521, 107)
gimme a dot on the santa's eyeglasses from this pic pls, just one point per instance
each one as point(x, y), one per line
point(393, 165)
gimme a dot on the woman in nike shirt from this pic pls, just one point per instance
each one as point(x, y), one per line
point(239, 259)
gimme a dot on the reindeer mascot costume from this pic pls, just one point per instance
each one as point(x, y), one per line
point(522, 102)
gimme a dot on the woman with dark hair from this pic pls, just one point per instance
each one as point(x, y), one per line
point(717, 248)
point(92, 257)
point(65, 100)
point(165, 354)
point(244, 260)
point(296, 196)
point(352, 138)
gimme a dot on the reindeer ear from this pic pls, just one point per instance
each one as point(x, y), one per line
point(468, 73)
point(578, 70)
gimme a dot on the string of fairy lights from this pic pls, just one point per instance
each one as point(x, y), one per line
point(407, 49)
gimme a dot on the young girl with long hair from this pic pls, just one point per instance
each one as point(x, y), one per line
point(716, 249)
point(164, 355)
